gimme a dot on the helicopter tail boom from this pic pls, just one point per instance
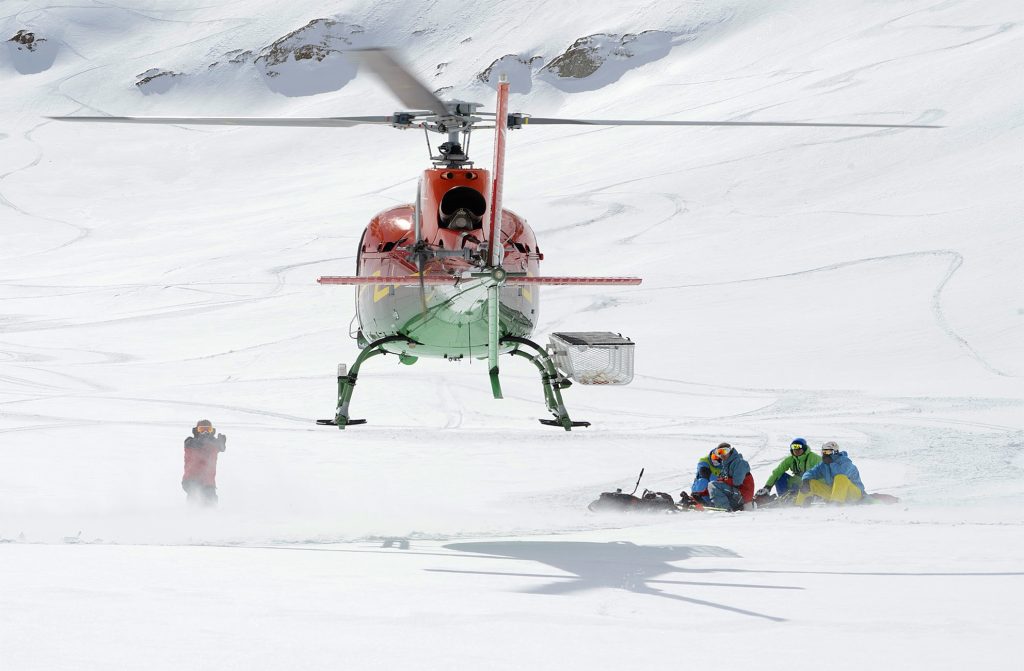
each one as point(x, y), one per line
point(497, 174)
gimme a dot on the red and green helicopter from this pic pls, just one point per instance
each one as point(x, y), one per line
point(454, 275)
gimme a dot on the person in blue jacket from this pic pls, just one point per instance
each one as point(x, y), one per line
point(706, 473)
point(835, 479)
point(733, 489)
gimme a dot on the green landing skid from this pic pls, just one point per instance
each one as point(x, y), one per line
point(552, 382)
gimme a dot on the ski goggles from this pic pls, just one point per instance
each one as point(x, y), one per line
point(204, 429)
point(796, 447)
point(719, 454)
point(829, 451)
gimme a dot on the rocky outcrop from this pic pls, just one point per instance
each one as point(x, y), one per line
point(519, 69)
point(588, 64)
point(600, 59)
point(310, 60)
point(28, 52)
point(23, 39)
point(304, 62)
point(583, 58)
point(156, 80)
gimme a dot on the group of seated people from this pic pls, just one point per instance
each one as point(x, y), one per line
point(724, 479)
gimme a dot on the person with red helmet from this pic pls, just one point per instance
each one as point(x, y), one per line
point(201, 451)
point(734, 487)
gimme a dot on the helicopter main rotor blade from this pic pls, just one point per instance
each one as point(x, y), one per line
point(534, 121)
point(440, 280)
point(397, 77)
point(397, 280)
point(302, 122)
point(565, 281)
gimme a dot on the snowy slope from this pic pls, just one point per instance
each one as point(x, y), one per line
point(838, 284)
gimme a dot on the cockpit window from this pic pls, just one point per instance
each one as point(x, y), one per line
point(462, 209)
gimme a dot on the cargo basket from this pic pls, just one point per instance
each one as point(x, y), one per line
point(593, 357)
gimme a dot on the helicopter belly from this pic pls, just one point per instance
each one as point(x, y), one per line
point(453, 323)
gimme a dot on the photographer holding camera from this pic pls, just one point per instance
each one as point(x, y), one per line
point(201, 451)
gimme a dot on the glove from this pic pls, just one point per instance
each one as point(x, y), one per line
point(761, 492)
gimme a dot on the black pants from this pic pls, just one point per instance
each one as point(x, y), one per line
point(199, 493)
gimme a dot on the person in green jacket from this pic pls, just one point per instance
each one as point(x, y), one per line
point(799, 461)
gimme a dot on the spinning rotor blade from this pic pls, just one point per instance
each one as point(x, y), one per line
point(593, 281)
point(397, 280)
point(308, 122)
point(438, 280)
point(536, 121)
point(397, 77)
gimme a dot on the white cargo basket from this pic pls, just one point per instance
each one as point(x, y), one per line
point(593, 357)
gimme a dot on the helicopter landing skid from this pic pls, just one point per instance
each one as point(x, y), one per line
point(347, 381)
point(555, 422)
point(334, 422)
point(551, 381)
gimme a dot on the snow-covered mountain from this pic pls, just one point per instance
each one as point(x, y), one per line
point(863, 286)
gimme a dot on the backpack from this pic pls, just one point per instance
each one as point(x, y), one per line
point(618, 501)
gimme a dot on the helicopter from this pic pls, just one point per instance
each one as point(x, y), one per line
point(454, 275)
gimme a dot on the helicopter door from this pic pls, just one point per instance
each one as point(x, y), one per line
point(359, 252)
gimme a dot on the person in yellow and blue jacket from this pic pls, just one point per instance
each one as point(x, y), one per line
point(835, 479)
point(706, 474)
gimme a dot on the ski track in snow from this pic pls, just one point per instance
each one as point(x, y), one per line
point(956, 260)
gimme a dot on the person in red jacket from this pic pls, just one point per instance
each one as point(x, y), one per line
point(734, 487)
point(201, 450)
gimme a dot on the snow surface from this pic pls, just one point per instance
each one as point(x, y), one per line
point(862, 286)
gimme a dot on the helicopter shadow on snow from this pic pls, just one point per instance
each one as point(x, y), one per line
point(614, 565)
